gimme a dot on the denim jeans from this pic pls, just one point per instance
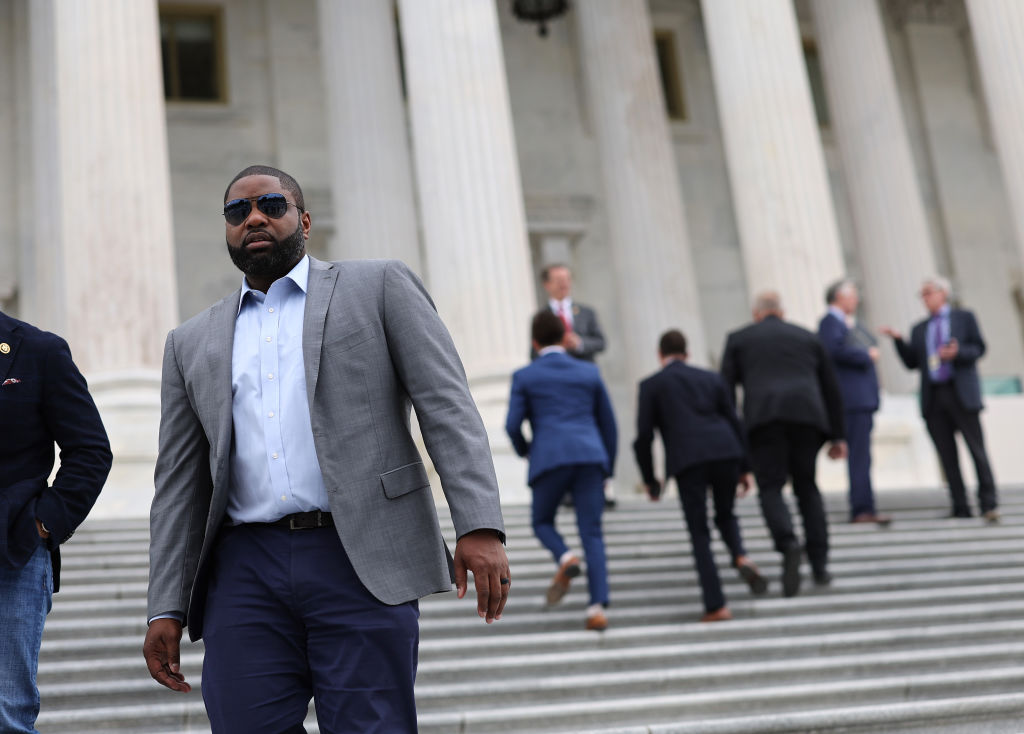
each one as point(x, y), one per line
point(25, 597)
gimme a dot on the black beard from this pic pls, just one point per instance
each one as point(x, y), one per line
point(273, 264)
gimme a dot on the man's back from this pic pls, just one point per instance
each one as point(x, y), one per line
point(786, 376)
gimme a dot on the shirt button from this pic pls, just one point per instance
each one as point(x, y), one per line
point(270, 414)
point(282, 498)
point(270, 375)
point(271, 309)
point(273, 456)
point(268, 338)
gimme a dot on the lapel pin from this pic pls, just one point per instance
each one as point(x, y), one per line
point(5, 348)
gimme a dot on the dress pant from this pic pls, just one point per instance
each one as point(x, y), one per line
point(287, 619)
point(945, 416)
point(25, 596)
point(783, 450)
point(858, 440)
point(585, 483)
point(693, 483)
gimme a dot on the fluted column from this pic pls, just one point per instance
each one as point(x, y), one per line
point(474, 227)
point(371, 166)
point(102, 270)
point(893, 243)
point(998, 30)
point(642, 196)
point(780, 189)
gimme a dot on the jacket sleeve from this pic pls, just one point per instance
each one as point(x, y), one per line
point(830, 393)
point(593, 339)
point(606, 423)
point(972, 346)
point(727, 408)
point(85, 459)
point(730, 367)
point(518, 411)
point(833, 337)
point(907, 353)
point(429, 368)
point(644, 433)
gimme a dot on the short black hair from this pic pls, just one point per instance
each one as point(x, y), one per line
point(547, 329)
point(672, 342)
point(832, 292)
point(288, 183)
point(546, 272)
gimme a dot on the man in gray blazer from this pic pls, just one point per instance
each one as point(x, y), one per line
point(583, 336)
point(293, 527)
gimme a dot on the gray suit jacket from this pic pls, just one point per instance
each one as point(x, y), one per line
point(373, 345)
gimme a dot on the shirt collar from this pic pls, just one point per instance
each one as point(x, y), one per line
point(838, 313)
point(565, 303)
point(551, 350)
point(299, 275)
point(943, 312)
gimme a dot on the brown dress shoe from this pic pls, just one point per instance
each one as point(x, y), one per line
point(597, 622)
point(991, 517)
point(560, 582)
point(719, 615)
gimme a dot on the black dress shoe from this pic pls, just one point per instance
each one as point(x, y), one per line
point(822, 577)
point(960, 515)
point(791, 570)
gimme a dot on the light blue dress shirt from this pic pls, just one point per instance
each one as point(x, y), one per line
point(274, 469)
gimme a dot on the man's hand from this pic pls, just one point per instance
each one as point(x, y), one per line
point(43, 532)
point(654, 490)
point(481, 552)
point(837, 450)
point(873, 353)
point(746, 483)
point(572, 341)
point(949, 350)
point(161, 650)
point(889, 331)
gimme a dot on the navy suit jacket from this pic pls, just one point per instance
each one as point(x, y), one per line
point(964, 328)
point(569, 412)
point(855, 370)
point(692, 410)
point(44, 400)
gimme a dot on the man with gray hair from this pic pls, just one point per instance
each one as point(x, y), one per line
point(791, 407)
point(945, 348)
point(854, 351)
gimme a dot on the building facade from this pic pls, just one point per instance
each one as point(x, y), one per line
point(679, 155)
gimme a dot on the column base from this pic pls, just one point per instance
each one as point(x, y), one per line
point(129, 403)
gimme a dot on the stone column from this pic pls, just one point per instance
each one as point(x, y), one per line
point(893, 242)
point(642, 196)
point(103, 267)
point(370, 163)
point(997, 27)
point(780, 189)
point(474, 228)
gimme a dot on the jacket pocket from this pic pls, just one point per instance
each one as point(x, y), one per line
point(404, 479)
point(351, 339)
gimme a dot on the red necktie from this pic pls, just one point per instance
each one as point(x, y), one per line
point(564, 317)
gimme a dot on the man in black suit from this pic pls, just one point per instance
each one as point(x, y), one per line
point(945, 348)
point(791, 406)
point(583, 336)
point(704, 445)
point(854, 352)
point(43, 400)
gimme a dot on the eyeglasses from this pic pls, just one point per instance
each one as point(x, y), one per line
point(274, 206)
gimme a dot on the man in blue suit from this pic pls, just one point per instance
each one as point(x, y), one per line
point(853, 352)
point(572, 451)
point(43, 400)
point(945, 348)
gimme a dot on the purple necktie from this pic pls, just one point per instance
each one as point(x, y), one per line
point(944, 371)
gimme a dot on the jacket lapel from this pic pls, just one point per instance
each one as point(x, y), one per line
point(322, 277)
point(219, 345)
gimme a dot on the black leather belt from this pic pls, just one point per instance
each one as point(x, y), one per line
point(302, 521)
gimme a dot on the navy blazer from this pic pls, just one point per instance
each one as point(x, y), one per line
point(786, 377)
point(964, 328)
point(569, 412)
point(44, 400)
point(855, 370)
point(695, 416)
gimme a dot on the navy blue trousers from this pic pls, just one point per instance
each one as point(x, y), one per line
point(287, 619)
point(693, 483)
point(858, 440)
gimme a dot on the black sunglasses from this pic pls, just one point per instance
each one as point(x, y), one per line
point(274, 206)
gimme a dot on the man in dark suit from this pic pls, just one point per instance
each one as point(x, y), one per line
point(583, 336)
point(854, 352)
point(791, 406)
point(43, 400)
point(945, 348)
point(572, 451)
point(704, 446)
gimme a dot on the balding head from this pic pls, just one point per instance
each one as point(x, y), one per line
point(767, 303)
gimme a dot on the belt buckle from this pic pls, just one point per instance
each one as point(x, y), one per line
point(316, 523)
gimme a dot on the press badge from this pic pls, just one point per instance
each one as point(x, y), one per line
point(934, 362)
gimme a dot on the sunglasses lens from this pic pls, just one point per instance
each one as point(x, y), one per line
point(236, 210)
point(273, 205)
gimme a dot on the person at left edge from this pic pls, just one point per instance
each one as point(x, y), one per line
point(43, 400)
point(572, 452)
point(293, 526)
